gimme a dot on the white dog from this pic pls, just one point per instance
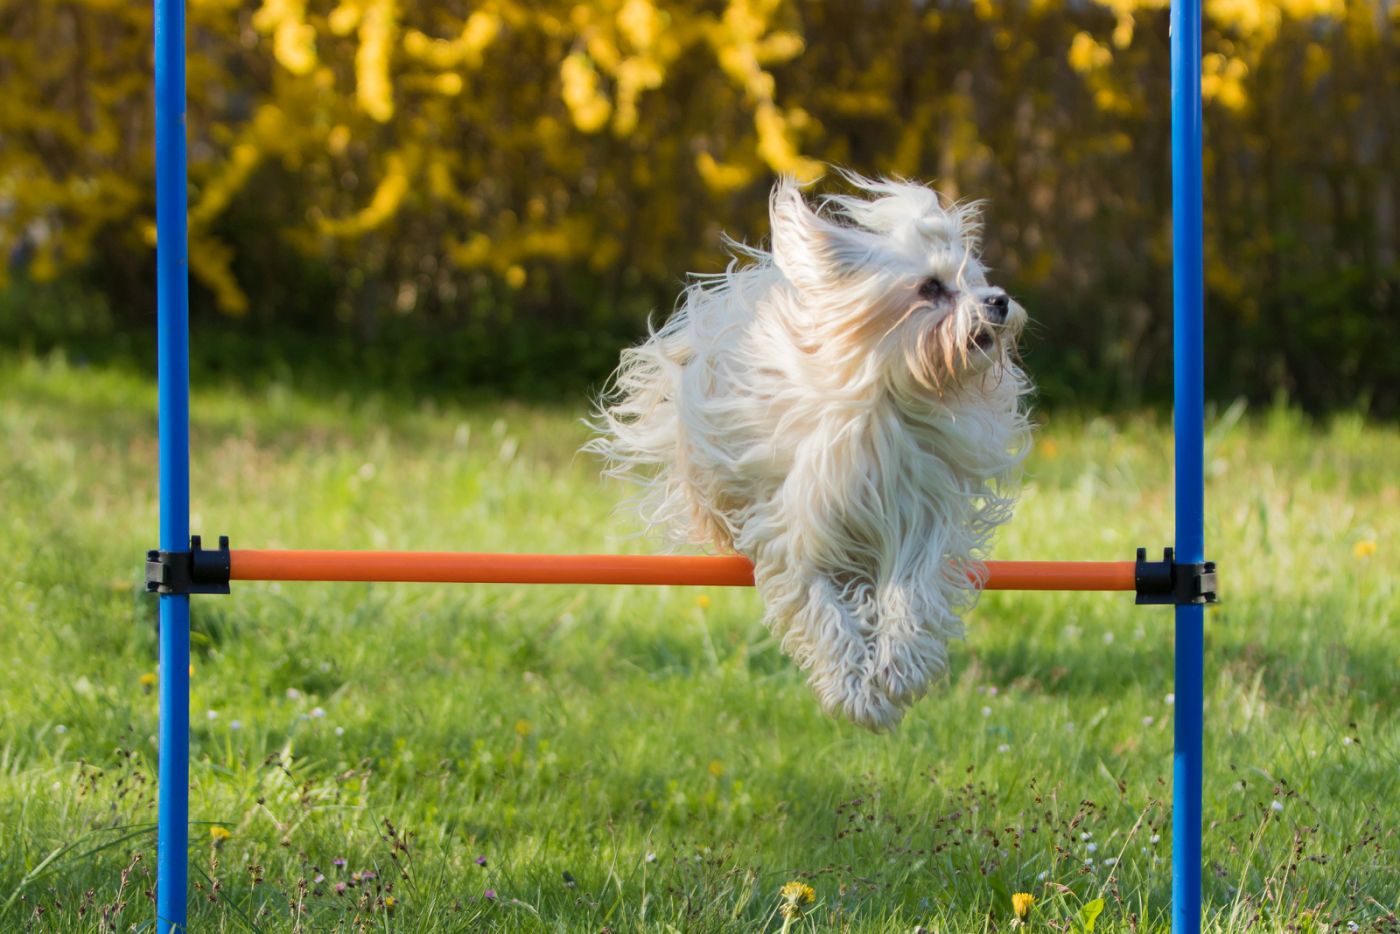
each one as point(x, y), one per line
point(845, 412)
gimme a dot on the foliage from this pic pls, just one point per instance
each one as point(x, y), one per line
point(554, 167)
point(645, 758)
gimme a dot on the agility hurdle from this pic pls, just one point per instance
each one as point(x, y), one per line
point(181, 566)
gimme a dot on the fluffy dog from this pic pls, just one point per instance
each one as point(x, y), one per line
point(846, 412)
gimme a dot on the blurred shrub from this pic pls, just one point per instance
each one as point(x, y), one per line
point(517, 184)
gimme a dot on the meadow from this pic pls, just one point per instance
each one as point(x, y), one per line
point(440, 758)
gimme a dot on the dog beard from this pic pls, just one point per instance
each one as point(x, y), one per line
point(846, 412)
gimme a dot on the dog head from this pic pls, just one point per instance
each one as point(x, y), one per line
point(891, 274)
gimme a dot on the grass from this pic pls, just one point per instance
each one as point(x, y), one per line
point(424, 758)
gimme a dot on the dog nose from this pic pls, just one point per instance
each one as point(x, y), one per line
point(997, 306)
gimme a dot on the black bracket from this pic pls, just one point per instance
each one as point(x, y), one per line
point(1168, 583)
point(193, 571)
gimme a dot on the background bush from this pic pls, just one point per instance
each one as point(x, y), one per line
point(496, 194)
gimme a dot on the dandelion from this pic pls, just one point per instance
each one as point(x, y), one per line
point(1021, 904)
point(390, 901)
point(703, 602)
point(794, 896)
point(219, 834)
point(1364, 549)
point(148, 680)
point(522, 727)
point(716, 768)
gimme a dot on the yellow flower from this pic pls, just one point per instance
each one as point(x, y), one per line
point(219, 834)
point(390, 901)
point(1021, 903)
point(716, 768)
point(703, 602)
point(522, 727)
point(148, 680)
point(795, 895)
point(1364, 549)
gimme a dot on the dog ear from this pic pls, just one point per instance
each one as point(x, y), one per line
point(811, 251)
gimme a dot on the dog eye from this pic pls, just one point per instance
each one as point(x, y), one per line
point(932, 289)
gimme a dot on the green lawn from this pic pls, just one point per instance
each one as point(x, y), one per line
point(440, 758)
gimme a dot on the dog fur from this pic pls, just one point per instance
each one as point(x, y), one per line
point(847, 412)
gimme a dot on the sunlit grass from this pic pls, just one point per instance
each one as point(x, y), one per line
point(426, 758)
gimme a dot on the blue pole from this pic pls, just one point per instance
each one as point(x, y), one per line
point(172, 313)
point(1188, 325)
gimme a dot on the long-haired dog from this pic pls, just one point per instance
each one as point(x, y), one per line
point(846, 412)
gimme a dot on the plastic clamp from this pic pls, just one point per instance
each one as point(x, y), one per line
point(186, 572)
point(1168, 583)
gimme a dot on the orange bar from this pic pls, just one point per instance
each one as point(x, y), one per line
point(707, 571)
